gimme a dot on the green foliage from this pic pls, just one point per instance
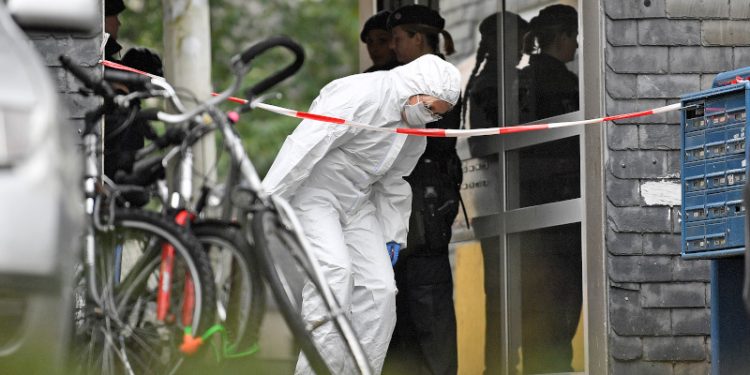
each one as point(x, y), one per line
point(328, 31)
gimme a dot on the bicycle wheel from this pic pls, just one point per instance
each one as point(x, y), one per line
point(131, 331)
point(289, 269)
point(240, 294)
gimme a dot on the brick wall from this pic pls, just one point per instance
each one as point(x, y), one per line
point(657, 50)
point(82, 47)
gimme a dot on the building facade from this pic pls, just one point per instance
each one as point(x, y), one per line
point(600, 201)
point(85, 48)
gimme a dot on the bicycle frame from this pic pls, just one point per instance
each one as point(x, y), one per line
point(92, 179)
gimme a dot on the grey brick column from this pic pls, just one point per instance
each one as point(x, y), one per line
point(82, 47)
point(656, 51)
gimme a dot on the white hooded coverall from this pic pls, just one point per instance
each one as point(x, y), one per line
point(347, 187)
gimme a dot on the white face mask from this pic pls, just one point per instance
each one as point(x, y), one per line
point(418, 114)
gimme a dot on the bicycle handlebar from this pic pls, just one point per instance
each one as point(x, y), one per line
point(148, 114)
point(97, 85)
point(239, 63)
point(251, 53)
point(128, 78)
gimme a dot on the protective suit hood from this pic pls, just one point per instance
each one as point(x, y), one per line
point(377, 98)
point(428, 74)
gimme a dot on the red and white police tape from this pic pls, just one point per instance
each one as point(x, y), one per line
point(114, 65)
point(428, 132)
point(463, 132)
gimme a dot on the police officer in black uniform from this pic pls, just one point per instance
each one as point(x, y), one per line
point(424, 341)
point(481, 94)
point(551, 266)
point(547, 87)
point(376, 36)
point(124, 136)
point(112, 9)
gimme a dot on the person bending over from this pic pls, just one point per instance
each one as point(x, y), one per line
point(347, 187)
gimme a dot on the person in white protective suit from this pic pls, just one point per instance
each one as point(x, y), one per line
point(347, 187)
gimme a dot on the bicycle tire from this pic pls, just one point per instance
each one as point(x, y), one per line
point(147, 344)
point(286, 303)
point(244, 298)
point(268, 228)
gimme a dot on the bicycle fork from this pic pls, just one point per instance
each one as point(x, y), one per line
point(91, 174)
point(166, 267)
point(166, 270)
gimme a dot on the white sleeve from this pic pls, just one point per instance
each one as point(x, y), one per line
point(304, 148)
point(392, 195)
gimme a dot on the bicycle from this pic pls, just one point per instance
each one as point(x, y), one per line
point(269, 222)
point(240, 290)
point(144, 281)
point(240, 293)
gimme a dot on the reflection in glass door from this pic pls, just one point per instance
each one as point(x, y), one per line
point(545, 299)
point(541, 60)
point(520, 63)
point(542, 212)
point(543, 173)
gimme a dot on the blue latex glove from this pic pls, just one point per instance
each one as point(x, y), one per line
point(393, 249)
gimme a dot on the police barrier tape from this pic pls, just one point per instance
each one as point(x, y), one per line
point(114, 65)
point(463, 132)
point(428, 132)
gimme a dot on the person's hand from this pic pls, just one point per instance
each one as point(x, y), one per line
point(393, 249)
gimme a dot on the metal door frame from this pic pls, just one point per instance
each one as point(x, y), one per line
point(588, 209)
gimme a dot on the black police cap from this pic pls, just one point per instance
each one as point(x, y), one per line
point(418, 14)
point(488, 26)
point(556, 15)
point(376, 22)
point(113, 7)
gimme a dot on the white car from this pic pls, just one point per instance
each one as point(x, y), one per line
point(41, 211)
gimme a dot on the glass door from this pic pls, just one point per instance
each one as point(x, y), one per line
point(533, 199)
point(542, 214)
point(543, 255)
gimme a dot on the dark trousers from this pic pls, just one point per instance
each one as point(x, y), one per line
point(424, 340)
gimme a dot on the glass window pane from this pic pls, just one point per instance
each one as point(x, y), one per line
point(543, 173)
point(486, 86)
point(544, 80)
point(545, 290)
point(539, 62)
point(482, 89)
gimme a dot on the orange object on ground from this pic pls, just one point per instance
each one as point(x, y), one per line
point(190, 344)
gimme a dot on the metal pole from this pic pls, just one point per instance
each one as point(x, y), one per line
point(187, 65)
